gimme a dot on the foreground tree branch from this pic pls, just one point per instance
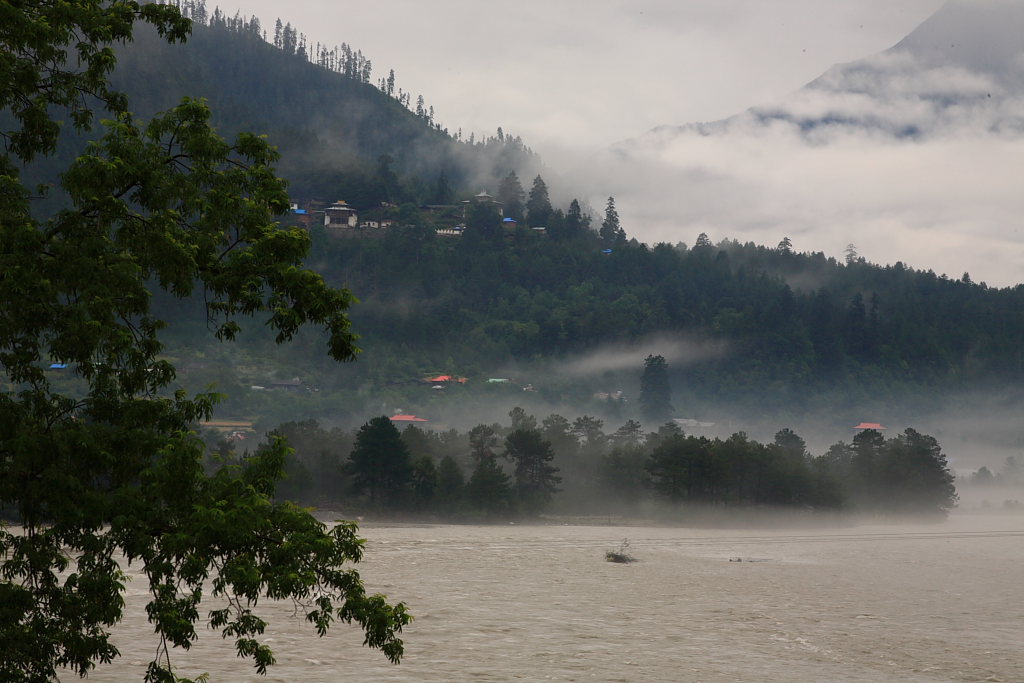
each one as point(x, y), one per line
point(112, 471)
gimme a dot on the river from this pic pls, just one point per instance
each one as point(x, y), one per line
point(871, 602)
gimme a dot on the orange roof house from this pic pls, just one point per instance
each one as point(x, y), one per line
point(870, 425)
point(447, 378)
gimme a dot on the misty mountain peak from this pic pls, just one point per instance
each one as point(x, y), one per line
point(961, 70)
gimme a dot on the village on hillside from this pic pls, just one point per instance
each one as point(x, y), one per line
point(340, 219)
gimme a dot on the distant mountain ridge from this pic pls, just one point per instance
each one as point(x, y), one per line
point(961, 69)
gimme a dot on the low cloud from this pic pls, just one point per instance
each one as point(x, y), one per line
point(907, 160)
point(952, 204)
point(678, 352)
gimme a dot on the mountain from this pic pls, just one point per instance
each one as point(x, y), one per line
point(332, 128)
point(544, 322)
point(962, 69)
point(910, 154)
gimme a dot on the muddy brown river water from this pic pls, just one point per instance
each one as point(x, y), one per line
point(908, 602)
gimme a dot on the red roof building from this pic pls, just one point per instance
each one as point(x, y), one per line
point(447, 378)
point(870, 425)
point(407, 418)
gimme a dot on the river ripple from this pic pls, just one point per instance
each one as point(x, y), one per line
point(938, 602)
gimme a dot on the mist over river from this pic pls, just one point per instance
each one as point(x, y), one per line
point(871, 602)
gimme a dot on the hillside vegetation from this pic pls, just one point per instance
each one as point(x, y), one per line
point(749, 329)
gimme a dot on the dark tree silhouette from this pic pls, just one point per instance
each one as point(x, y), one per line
point(536, 480)
point(380, 463)
point(655, 391)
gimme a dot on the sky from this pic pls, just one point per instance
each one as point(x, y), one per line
point(586, 73)
point(576, 78)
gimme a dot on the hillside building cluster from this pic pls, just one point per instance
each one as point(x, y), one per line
point(342, 219)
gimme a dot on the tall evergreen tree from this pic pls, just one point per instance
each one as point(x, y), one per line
point(703, 242)
point(611, 231)
point(538, 205)
point(488, 489)
point(576, 222)
point(655, 391)
point(669, 468)
point(379, 463)
point(511, 195)
point(536, 480)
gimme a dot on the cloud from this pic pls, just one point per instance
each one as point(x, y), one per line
point(952, 204)
point(588, 72)
point(579, 74)
point(678, 352)
point(908, 157)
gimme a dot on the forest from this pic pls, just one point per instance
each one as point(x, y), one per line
point(129, 269)
point(753, 333)
point(738, 322)
point(526, 467)
point(331, 119)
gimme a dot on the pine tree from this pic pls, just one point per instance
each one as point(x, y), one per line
point(380, 463)
point(611, 232)
point(488, 489)
point(576, 222)
point(536, 479)
point(511, 195)
point(655, 391)
point(538, 205)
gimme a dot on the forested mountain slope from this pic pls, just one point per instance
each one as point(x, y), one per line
point(339, 135)
point(747, 329)
point(536, 297)
point(739, 322)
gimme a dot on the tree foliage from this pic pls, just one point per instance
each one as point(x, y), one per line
point(109, 465)
point(907, 473)
point(536, 480)
point(611, 231)
point(538, 205)
point(488, 489)
point(655, 390)
point(380, 462)
point(599, 472)
point(512, 197)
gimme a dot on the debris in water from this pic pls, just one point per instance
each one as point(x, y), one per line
point(620, 554)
